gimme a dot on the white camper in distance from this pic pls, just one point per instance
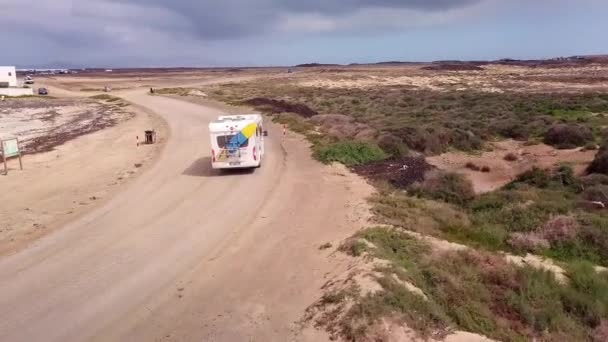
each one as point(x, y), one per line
point(237, 141)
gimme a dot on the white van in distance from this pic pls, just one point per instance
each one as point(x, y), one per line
point(237, 141)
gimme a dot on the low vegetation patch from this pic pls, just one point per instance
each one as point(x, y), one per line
point(280, 106)
point(174, 91)
point(446, 186)
point(350, 153)
point(434, 122)
point(399, 172)
point(105, 97)
point(453, 67)
point(472, 291)
point(551, 213)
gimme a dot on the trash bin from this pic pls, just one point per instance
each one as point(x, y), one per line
point(150, 137)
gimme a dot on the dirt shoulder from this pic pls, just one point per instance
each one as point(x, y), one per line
point(61, 185)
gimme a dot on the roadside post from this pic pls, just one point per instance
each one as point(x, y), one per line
point(10, 148)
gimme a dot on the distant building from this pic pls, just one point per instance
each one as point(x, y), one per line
point(9, 85)
point(8, 76)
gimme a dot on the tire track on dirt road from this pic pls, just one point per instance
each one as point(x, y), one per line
point(243, 248)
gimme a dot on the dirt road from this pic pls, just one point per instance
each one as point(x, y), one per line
point(185, 253)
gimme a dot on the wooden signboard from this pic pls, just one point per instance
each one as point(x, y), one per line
point(10, 148)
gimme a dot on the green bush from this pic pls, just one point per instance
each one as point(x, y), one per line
point(561, 177)
point(587, 295)
point(477, 292)
point(349, 153)
point(540, 178)
point(564, 175)
point(446, 186)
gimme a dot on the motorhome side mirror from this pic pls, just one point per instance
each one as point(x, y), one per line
point(265, 133)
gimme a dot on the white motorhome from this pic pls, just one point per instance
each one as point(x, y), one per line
point(237, 141)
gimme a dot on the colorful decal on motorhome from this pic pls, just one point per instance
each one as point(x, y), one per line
point(241, 137)
point(238, 140)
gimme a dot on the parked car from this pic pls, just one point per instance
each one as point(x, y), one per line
point(43, 91)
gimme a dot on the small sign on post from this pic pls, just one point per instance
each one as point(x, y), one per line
point(10, 148)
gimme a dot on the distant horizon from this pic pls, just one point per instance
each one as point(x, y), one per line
point(70, 66)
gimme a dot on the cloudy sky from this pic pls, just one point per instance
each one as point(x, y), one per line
point(145, 33)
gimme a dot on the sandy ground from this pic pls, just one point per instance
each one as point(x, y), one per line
point(58, 186)
point(186, 253)
point(494, 78)
point(88, 84)
point(503, 171)
point(41, 124)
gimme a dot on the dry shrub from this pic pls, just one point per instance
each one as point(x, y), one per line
point(530, 242)
point(436, 140)
point(494, 268)
point(422, 140)
point(597, 193)
point(560, 228)
point(600, 333)
point(447, 186)
point(462, 66)
point(511, 157)
point(472, 166)
point(590, 147)
point(600, 163)
point(512, 128)
point(344, 127)
point(475, 167)
point(392, 145)
point(590, 205)
point(565, 136)
point(281, 106)
point(594, 179)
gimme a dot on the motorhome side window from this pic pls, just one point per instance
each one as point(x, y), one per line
point(222, 141)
